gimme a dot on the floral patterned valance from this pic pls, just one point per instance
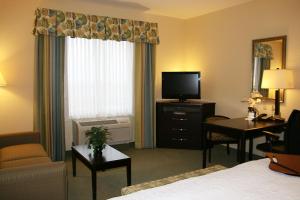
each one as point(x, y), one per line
point(59, 23)
point(263, 51)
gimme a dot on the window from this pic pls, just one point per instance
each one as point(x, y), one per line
point(99, 77)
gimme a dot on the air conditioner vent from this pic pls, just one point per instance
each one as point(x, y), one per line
point(98, 123)
point(119, 129)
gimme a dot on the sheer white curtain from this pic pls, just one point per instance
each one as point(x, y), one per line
point(99, 77)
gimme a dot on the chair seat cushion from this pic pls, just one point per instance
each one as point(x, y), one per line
point(22, 151)
point(24, 162)
point(276, 147)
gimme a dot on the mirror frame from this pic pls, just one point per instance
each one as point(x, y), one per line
point(283, 59)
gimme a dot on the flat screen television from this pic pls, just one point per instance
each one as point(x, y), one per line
point(181, 85)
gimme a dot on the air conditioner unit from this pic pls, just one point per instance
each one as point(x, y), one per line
point(119, 128)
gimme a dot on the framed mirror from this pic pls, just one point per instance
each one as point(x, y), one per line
point(267, 53)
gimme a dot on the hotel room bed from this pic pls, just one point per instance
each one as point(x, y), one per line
point(249, 181)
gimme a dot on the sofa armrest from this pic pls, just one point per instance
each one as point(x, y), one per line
point(42, 181)
point(8, 139)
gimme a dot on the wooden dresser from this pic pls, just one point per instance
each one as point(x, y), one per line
point(178, 125)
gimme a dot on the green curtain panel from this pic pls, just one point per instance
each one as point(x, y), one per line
point(60, 23)
point(49, 94)
point(144, 95)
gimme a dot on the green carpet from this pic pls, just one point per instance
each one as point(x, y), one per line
point(147, 164)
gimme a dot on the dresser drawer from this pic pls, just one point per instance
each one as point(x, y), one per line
point(176, 130)
point(184, 120)
point(174, 141)
point(179, 125)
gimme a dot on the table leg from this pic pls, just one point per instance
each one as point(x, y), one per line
point(242, 150)
point(238, 152)
point(250, 155)
point(94, 183)
point(74, 163)
point(204, 141)
point(128, 173)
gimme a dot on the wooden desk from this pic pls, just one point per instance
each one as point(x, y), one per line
point(242, 130)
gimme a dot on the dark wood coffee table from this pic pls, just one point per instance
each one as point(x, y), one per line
point(111, 158)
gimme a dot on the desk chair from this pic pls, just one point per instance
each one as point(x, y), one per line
point(291, 142)
point(218, 138)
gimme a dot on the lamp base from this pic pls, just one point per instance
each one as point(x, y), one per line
point(277, 103)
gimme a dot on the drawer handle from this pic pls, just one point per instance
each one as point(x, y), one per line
point(179, 113)
point(179, 129)
point(179, 119)
point(179, 139)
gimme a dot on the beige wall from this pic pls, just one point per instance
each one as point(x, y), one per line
point(17, 51)
point(220, 44)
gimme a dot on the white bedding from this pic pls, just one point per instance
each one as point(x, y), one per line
point(249, 181)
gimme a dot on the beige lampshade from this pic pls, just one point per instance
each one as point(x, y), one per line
point(278, 79)
point(2, 81)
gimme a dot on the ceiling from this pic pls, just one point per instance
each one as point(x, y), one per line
point(182, 9)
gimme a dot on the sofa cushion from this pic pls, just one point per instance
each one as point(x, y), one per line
point(24, 162)
point(21, 151)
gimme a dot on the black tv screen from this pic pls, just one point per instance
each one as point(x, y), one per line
point(181, 85)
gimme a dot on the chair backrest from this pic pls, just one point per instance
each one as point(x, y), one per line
point(292, 134)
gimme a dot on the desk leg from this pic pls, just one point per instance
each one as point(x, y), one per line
point(250, 155)
point(238, 152)
point(242, 150)
point(74, 163)
point(94, 183)
point(128, 173)
point(204, 141)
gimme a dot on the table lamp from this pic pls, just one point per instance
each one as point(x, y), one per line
point(277, 79)
point(2, 81)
